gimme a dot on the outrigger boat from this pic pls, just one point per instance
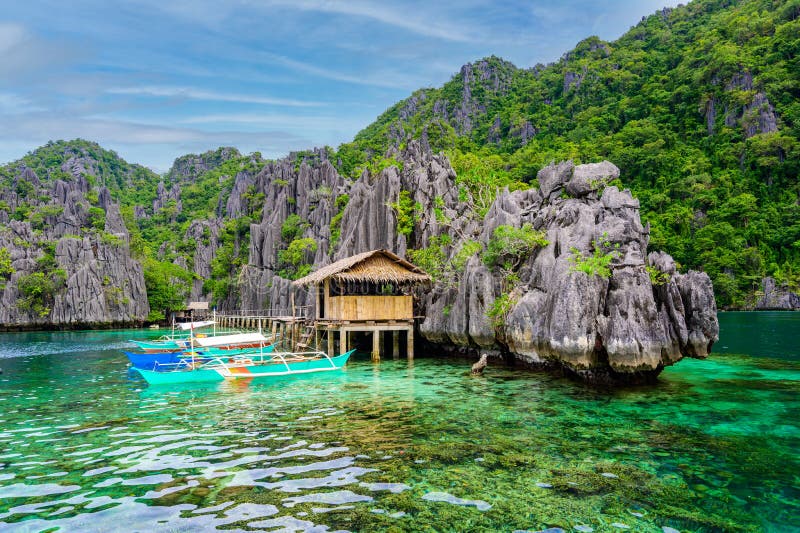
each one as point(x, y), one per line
point(148, 360)
point(255, 365)
point(237, 341)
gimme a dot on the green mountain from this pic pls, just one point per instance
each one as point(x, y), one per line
point(697, 105)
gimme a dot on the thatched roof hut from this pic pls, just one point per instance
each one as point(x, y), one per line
point(376, 266)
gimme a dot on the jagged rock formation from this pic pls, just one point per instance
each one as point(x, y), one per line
point(624, 327)
point(777, 297)
point(189, 167)
point(72, 245)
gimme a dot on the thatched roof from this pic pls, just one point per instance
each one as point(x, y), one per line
point(377, 266)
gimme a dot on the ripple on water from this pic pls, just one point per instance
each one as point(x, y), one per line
point(449, 498)
point(362, 448)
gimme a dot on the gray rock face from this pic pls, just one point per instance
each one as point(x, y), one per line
point(777, 297)
point(623, 327)
point(101, 285)
point(164, 198)
point(191, 166)
point(757, 116)
point(523, 131)
point(496, 81)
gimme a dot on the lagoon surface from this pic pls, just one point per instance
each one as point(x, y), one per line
point(401, 446)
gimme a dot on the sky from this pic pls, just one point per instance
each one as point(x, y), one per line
point(157, 79)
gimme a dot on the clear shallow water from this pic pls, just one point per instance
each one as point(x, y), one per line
point(86, 446)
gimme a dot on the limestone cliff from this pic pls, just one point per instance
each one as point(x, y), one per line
point(70, 263)
point(629, 325)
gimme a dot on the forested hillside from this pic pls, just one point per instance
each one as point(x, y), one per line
point(697, 105)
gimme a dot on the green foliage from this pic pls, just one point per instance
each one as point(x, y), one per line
point(596, 264)
point(468, 249)
point(38, 290)
point(292, 262)
point(229, 259)
point(479, 177)
point(377, 165)
point(293, 228)
point(433, 258)
point(657, 277)
point(39, 218)
point(168, 287)
point(407, 213)
point(96, 219)
point(498, 311)
point(719, 194)
point(128, 183)
point(6, 270)
point(510, 246)
point(336, 221)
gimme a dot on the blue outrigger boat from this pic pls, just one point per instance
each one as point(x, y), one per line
point(149, 360)
point(253, 365)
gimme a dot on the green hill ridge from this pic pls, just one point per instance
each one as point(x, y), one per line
point(697, 105)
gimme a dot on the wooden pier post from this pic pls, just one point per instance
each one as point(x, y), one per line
point(330, 334)
point(410, 348)
point(342, 341)
point(395, 344)
point(376, 345)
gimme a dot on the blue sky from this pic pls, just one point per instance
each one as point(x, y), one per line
point(155, 79)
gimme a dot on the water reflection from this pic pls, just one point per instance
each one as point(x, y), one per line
point(86, 446)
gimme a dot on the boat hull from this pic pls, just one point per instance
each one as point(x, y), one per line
point(157, 345)
point(149, 360)
point(222, 372)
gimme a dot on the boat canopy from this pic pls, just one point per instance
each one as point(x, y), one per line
point(194, 325)
point(222, 340)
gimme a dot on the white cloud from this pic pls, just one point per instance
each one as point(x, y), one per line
point(380, 12)
point(11, 103)
point(201, 94)
point(291, 122)
point(23, 53)
point(151, 144)
point(11, 35)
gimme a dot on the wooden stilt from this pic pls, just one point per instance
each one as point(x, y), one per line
point(330, 334)
point(376, 345)
point(410, 349)
point(395, 344)
point(342, 341)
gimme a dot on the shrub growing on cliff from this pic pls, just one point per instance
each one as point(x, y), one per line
point(336, 221)
point(38, 290)
point(657, 277)
point(292, 228)
point(433, 258)
point(596, 264)
point(292, 261)
point(6, 270)
point(509, 245)
point(499, 310)
point(96, 218)
point(407, 213)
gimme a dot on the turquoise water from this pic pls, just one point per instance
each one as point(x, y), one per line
point(397, 446)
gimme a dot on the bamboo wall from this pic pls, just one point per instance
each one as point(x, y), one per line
point(369, 308)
